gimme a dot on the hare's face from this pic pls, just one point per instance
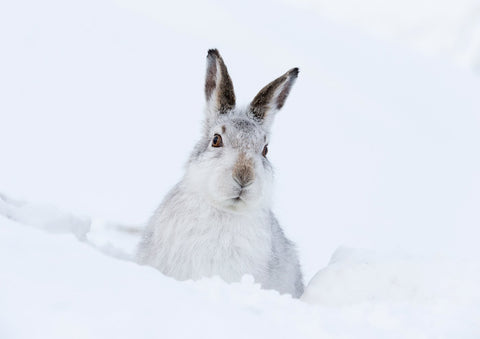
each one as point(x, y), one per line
point(229, 166)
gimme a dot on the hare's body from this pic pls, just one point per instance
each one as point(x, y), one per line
point(188, 239)
point(217, 220)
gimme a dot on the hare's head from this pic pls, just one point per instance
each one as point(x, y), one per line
point(229, 166)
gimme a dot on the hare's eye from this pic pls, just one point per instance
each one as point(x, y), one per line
point(265, 151)
point(217, 141)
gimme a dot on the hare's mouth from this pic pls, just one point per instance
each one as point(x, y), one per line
point(238, 195)
point(236, 202)
point(239, 203)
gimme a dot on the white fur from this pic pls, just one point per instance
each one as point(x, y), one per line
point(209, 224)
point(210, 241)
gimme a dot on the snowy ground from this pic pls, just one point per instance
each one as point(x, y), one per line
point(57, 287)
point(376, 148)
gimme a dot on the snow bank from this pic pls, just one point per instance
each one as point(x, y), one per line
point(111, 238)
point(57, 287)
point(360, 276)
point(44, 216)
point(53, 286)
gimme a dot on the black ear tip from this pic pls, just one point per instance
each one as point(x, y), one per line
point(294, 72)
point(213, 53)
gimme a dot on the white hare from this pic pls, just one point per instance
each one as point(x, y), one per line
point(217, 219)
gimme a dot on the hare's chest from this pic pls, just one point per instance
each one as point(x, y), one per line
point(193, 249)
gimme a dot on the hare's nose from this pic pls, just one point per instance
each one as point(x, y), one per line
point(242, 183)
point(243, 172)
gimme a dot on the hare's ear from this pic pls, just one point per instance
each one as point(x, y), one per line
point(218, 85)
point(272, 97)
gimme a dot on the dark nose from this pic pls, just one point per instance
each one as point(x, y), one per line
point(243, 173)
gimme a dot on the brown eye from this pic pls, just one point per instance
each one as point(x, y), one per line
point(217, 141)
point(265, 151)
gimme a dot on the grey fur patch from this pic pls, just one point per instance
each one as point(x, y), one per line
point(284, 261)
point(243, 124)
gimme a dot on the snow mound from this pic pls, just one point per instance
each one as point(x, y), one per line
point(45, 217)
point(112, 238)
point(360, 276)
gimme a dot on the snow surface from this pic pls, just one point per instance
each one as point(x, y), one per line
point(58, 287)
point(376, 148)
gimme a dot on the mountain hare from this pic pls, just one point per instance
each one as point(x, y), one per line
point(217, 219)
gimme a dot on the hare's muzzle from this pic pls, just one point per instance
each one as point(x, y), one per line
point(243, 171)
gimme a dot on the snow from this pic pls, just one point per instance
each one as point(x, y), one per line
point(358, 276)
point(375, 149)
point(54, 286)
